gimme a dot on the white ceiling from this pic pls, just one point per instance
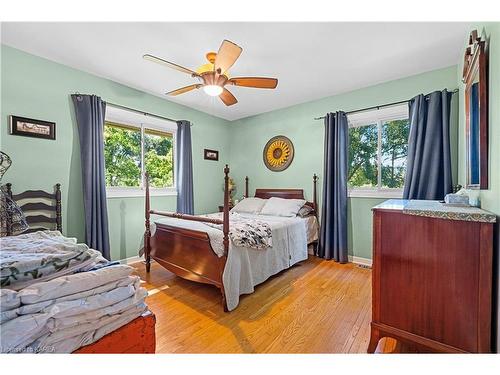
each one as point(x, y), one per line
point(311, 60)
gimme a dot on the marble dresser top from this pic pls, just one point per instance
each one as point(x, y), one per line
point(438, 210)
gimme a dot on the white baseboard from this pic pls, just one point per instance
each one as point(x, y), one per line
point(131, 260)
point(356, 260)
point(361, 261)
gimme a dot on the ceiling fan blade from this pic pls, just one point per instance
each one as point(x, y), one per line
point(227, 98)
point(182, 90)
point(226, 57)
point(257, 82)
point(169, 64)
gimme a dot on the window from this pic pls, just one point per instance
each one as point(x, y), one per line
point(159, 158)
point(133, 145)
point(122, 155)
point(378, 147)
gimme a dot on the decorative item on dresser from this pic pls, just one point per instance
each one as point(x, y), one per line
point(231, 187)
point(432, 276)
point(221, 208)
point(231, 203)
point(36, 201)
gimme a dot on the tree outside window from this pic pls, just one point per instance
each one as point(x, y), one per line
point(127, 148)
point(377, 154)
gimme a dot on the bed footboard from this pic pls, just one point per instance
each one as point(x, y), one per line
point(185, 252)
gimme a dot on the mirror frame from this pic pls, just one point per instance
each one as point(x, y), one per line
point(476, 65)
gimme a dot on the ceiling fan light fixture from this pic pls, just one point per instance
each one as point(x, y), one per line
point(212, 90)
point(213, 76)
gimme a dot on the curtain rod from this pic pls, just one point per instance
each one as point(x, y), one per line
point(137, 111)
point(377, 107)
point(140, 112)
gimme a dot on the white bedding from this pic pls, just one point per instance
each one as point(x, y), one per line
point(312, 228)
point(247, 267)
point(40, 256)
point(68, 312)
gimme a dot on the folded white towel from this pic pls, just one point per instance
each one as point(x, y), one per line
point(71, 284)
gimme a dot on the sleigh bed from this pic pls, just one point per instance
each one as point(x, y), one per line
point(180, 243)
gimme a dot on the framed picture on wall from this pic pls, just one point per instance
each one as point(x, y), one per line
point(29, 127)
point(211, 155)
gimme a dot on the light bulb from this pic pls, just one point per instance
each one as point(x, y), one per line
point(212, 90)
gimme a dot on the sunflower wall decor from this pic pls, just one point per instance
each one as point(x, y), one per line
point(278, 153)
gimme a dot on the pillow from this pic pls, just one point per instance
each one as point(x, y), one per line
point(282, 207)
point(249, 205)
point(305, 211)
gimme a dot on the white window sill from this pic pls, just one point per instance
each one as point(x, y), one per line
point(133, 192)
point(375, 193)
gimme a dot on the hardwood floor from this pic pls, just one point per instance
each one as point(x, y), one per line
point(317, 306)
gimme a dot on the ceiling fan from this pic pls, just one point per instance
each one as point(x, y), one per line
point(214, 75)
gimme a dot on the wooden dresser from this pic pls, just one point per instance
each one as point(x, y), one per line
point(432, 276)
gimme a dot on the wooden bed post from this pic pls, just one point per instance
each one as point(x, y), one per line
point(58, 208)
point(225, 230)
point(147, 233)
point(246, 187)
point(315, 198)
point(225, 217)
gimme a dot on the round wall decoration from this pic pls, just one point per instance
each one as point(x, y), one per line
point(278, 153)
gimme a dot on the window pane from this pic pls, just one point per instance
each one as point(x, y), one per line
point(122, 155)
point(158, 158)
point(394, 152)
point(363, 144)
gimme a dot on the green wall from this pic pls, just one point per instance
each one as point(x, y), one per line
point(249, 136)
point(490, 199)
point(35, 87)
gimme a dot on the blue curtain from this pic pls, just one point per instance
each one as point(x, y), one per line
point(428, 173)
point(184, 169)
point(333, 232)
point(90, 112)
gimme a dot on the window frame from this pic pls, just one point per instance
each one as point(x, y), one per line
point(133, 191)
point(377, 117)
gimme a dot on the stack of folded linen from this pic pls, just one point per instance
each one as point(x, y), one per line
point(66, 313)
point(58, 295)
point(42, 256)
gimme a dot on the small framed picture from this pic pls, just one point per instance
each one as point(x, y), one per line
point(29, 127)
point(211, 155)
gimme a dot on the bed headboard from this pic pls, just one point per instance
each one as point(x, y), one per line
point(280, 193)
point(285, 193)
